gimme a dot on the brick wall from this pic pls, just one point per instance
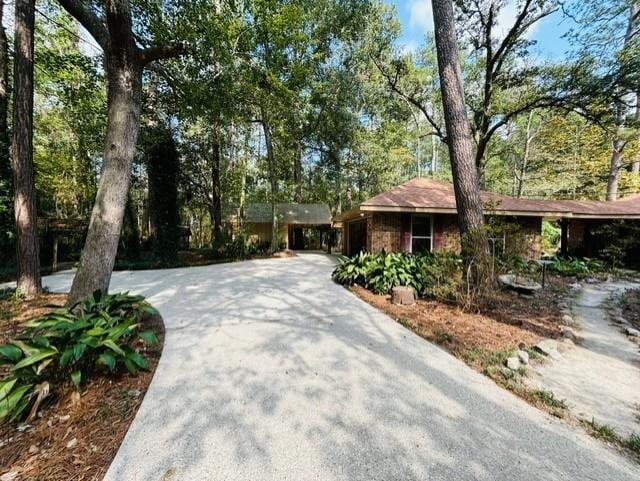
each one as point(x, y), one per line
point(446, 234)
point(384, 232)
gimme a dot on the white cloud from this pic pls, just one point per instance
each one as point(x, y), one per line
point(420, 14)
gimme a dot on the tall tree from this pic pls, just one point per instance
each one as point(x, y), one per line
point(111, 26)
point(503, 84)
point(475, 247)
point(28, 256)
point(162, 163)
point(6, 188)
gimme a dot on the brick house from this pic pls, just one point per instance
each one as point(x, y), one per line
point(421, 215)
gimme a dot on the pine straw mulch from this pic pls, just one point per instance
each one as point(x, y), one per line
point(510, 321)
point(631, 307)
point(75, 437)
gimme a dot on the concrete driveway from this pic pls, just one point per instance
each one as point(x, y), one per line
point(270, 371)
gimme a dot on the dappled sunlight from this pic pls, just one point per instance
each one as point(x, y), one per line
point(272, 371)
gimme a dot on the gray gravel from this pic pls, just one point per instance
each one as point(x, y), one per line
point(270, 371)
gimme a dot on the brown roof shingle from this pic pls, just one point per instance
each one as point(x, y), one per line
point(428, 195)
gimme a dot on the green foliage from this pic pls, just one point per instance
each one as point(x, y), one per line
point(549, 399)
point(551, 233)
point(573, 266)
point(241, 247)
point(432, 275)
point(602, 431)
point(633, 443)
point(70, 345)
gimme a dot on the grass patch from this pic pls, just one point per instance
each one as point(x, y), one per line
point(633, 443)
point(548, 399)
point(602, 431)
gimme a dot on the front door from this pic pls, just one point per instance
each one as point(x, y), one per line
point(357, 237)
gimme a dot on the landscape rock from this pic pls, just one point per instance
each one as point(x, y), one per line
point(403, 296)
point(568, 333)
point(523, 356)
point(33, 449)
point(72, 444)
point(548, 347)
point(567, 319)
point(519, 284)
point(513, 363)
point(630, 331)
point(506, 372)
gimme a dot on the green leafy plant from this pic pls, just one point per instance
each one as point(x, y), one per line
point(573, 266)
point(69, 345)
point(431, 275)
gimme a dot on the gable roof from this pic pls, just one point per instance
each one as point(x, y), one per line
point(433, 196)
point(305, 214)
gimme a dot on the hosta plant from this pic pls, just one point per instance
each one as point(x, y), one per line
point(69, 345)
point(431, 275)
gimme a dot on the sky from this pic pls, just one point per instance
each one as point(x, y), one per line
point(416, 19)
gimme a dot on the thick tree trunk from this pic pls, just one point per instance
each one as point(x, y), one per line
point(615, 167)
point(475, 246)
point(123, 123)
point(274, 183)
point(216, 190)
point(29, 281)
point(6, 181)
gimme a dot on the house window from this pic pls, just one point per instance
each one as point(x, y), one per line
point(421, 233)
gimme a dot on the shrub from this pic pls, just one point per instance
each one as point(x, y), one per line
point(70, 345)
point(241, 247)
point(572, 266)
point(432, 275)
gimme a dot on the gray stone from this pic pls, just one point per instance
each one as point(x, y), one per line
point(513, 363)
point(567, 319)
point(523, 356)
point(630, 331)
point(568, 333)
point(548, 347)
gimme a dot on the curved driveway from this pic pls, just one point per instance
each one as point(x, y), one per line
point(270, 371)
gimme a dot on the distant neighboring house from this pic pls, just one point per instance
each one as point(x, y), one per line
point(300, 226)
point(421, 215)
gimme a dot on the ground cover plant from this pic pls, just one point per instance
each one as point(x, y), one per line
point(435, 275)
point(69, 345)
point(75, 434)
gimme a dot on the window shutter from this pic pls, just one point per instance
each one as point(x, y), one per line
point(438, 233)
point(405, 235)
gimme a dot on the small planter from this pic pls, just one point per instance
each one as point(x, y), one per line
point(403, 296)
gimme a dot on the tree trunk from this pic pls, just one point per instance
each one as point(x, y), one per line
point(123, 123)
point(216, 190)
point(475, 247)
point(6, 182)
point(615, 167)
point(635, 165)
point(29, 281)
point(297, 170)
point(274, 183)
point(525, 157)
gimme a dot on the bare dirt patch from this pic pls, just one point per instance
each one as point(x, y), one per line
point(74, 437)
